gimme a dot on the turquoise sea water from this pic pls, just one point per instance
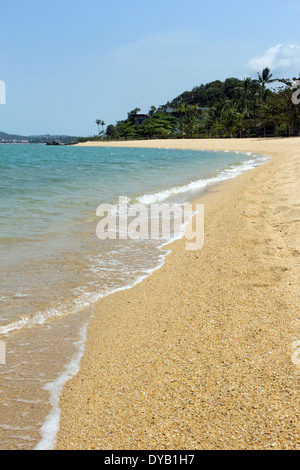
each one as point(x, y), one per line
point(48, 202)
point(53, 266)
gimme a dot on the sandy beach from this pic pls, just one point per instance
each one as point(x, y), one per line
point(203, 354)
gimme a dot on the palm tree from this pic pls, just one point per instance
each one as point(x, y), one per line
point(247, 83)
point(98, 122)
point(215, 116)
point(264, 78)
point(152, 110)
point(230, 120)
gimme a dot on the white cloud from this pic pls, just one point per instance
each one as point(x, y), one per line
point(283, 58)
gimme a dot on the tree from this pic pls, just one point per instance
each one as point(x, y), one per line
point(214, 117)
point(98, 122)
point(230, 108)
point(159, 125)
point(281, 112)
point(111, 132)
point(229, 120)
point(132, 113)
point(187, 115)
point(190, 120)
point(263, 79)
point(152, 110)
point(126, 130)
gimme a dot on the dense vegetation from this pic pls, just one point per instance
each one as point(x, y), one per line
point(232, 108)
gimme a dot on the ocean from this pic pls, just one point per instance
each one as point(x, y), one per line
point(54, 268)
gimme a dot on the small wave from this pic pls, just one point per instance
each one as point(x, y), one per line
point(84, 300)
point(201, 184)
point(51, 424)
point(163, 195)
point(39, 318)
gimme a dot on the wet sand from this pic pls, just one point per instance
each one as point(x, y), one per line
point(204, 353)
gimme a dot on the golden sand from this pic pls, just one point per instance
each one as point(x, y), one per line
point(202, 354)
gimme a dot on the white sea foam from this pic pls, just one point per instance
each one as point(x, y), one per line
point(51, 425)
point(198, 185)
point(84, 300)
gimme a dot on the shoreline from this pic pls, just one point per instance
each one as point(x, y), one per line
point(174, 362)
point(249, 144)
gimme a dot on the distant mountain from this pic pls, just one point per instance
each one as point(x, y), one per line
point(37, 139)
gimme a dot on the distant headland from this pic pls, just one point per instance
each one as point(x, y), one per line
point(38, 139)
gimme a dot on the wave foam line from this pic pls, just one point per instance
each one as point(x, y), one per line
point(198, 185)
point(51, 424)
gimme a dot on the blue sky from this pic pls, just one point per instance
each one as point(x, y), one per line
point(67, 63)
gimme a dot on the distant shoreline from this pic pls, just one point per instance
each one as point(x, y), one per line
point(196, 144)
